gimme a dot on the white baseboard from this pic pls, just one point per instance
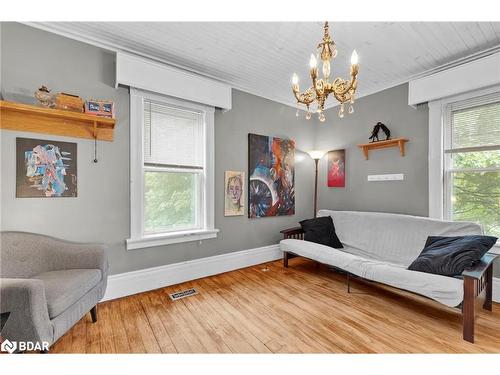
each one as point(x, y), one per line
point(128, 283)
point(496, 289)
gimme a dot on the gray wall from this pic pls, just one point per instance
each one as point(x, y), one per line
point(391, 108)
point(101, 211)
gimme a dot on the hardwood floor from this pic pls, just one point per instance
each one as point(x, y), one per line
point(302, 309)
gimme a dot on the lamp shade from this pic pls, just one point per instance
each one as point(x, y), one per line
point(316, 154)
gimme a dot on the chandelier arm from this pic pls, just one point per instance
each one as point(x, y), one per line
point(340, 82)
point(306, 97)
point(296, 93)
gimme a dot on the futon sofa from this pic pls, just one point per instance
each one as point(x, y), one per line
point(47, 285)
point(380, 246)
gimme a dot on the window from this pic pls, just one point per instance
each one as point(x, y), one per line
point(173, 168)
point(171, 171)
point(472, 162)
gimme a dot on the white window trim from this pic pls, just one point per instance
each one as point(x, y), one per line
point(436, 158)
point(138, 239)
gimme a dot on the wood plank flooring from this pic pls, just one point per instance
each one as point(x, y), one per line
point(302, 309)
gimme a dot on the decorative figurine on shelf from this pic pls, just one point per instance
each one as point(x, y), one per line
point(376, 129)
point(44, 97)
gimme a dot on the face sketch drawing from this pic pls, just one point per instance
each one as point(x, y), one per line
point(234, 190)
point(234, 194)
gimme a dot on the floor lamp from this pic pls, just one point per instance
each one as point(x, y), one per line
point(316, 155)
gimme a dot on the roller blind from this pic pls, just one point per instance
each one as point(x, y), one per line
point(475, 126)
point(172, 136)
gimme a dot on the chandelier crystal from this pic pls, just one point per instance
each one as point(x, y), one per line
point(342, 90)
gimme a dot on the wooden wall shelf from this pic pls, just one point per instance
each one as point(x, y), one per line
point(30, 118)
point(396, 142)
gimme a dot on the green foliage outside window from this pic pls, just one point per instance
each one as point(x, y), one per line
point(170, 201)
point(476, 197)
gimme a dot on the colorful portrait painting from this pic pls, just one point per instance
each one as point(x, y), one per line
point(234, 194)
point(45, 168)
point(271, 169)
point(336, 168)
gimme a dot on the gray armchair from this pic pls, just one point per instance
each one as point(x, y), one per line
point(47, 285)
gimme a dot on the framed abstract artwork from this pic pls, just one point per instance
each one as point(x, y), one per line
point(336, 168)
point(271, 176)
point(234, 193)
point(45, 169)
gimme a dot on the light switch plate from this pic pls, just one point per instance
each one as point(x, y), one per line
point(386, 177)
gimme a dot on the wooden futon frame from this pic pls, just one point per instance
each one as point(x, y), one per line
point(478, 284)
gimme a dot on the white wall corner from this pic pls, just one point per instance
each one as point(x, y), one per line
point(134, 282)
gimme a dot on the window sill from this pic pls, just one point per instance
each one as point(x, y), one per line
point(170, 238)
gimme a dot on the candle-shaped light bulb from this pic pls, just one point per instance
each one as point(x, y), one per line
point(354, 58)
point(326, 68)
point(313, 62)
point(295, 79)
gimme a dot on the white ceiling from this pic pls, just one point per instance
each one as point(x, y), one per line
point(260, 57)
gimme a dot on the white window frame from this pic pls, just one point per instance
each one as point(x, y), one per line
point(138, 239)
point(439, 122)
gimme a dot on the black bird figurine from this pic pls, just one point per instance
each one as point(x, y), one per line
point(376, 129)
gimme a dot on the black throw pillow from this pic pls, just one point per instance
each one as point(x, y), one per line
point(321, 230)
point(450, 256)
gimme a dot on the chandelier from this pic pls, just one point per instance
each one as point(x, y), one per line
point(342, 90)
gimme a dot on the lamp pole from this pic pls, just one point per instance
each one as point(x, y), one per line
point(316, 161)
point(316, 155)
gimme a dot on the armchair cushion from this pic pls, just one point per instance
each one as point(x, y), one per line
point(66, 287)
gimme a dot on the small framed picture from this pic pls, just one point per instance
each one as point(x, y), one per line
point(102, 108)
point(234, 193)
point(336, 168)
point(45, 169)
